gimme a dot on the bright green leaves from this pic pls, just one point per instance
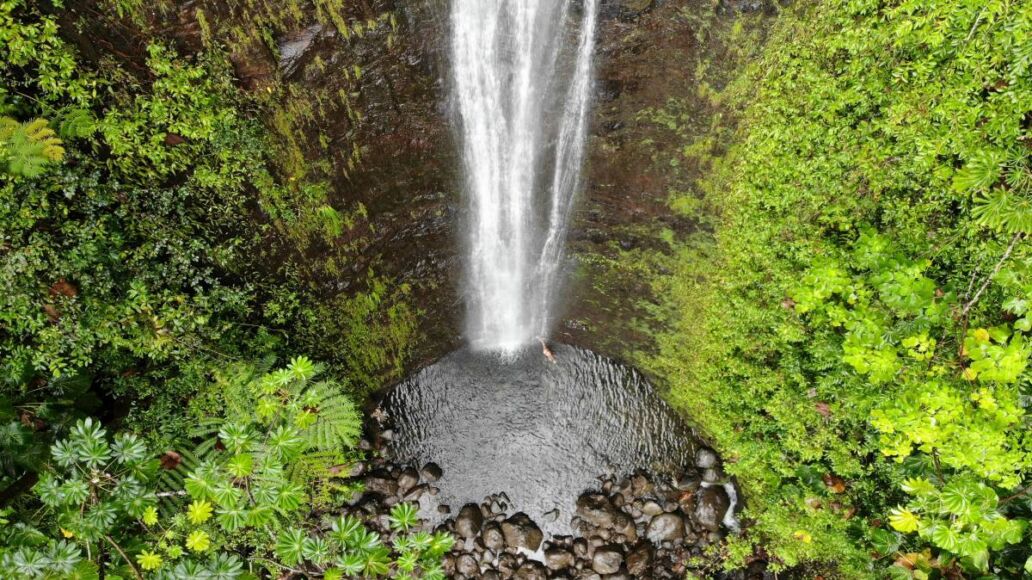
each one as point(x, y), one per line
point(57, 559)
point(961, 518)
point(881, 144)
point(904, 520)
point(404, 516)
point(199, 512)
point(150, 516)
point(240, 465)
point(290, 546)
point(149, 560)
point(354, 550)
point(198, 541)
point(27, 148)
point(95, 483)
point(286, 442)
point(967, 430)
point(1002, 185)
point(302, 368)
point(87, 444)
point(996, 355)
point(981, 172)
point(957, 405)
point(1005, 211)
point(236, 437)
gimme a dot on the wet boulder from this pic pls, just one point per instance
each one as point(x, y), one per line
point(408, 479)
point(639, 560)
point(493, 538)
point(607, 560)
point(467, 566)
point(711, 504)
point(706, 458)
point(665, 528)
point(431, 472)
point(531, 570)
point(521, 532)
point(469, 520)
point(381, 482)
point(558, 558)
point(596, 509)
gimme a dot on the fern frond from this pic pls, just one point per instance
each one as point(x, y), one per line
point(27, 148)
point(170, 482)
point(77, 124)
point(338, 423)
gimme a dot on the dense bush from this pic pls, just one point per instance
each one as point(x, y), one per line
point(148, 238)
point(853, 333)
point(246, 507)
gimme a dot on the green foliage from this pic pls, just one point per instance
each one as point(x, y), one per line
point(27, 148)
point(102, 499)
point(859, 313)
point(168, 243)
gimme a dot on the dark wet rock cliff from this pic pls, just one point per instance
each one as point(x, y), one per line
point(358, 99)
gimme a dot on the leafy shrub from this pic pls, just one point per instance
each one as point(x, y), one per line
point(852, 335)
point(241, 510)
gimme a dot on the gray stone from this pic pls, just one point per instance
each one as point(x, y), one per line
point(531, 570)
point(521, 532)
point(382, 484)
point(581, 548)
point(639, 561)
point(493, 538)
point(294, 48)
point(607, 560)
point(597, 510)
point(651, 508)
point(558, 558)
point(713, 475)
point(706, 458)
point(665, 528)
point(469, 520)
point(467, 566)
point(711, 503)
point(431, 472)
point(640, 485)
point(415, 493)
point(408, 479)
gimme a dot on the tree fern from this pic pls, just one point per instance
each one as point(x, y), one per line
point(338, 423)
point(27, 148)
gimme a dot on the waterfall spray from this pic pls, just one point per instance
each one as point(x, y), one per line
point(523, 90)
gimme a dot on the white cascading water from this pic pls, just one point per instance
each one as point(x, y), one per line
point(522, 81)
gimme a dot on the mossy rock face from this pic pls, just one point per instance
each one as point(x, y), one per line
point(649, 105)
point(635, 6)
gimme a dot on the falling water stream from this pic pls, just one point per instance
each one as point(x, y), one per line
point(498, 416)
point(523, 90)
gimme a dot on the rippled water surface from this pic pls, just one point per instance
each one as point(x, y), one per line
point(540, 432)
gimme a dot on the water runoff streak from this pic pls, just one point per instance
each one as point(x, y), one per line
point(522, 82)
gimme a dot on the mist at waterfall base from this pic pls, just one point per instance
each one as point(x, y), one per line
point(522, 84)
point(542, 433)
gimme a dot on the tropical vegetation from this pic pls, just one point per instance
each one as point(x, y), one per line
point(851, 325)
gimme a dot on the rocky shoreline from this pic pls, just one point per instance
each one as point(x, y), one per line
point(636, 526)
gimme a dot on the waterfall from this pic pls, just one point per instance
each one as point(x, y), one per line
point(522, 83)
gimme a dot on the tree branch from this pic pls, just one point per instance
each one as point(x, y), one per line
point(136, 571)
point(996, 270)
